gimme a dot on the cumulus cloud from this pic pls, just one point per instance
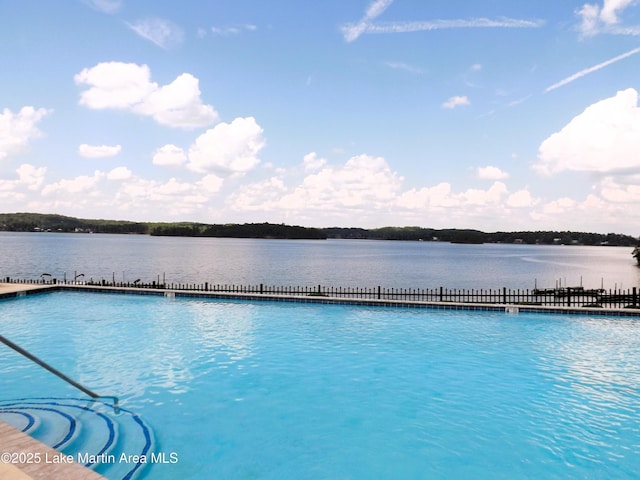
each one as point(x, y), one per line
point(603, 138)
point(366, 188)
point(211, 183)
point(18, 129)
point(456, 101)
point(31, 176)
point(169, 156)
point(438, 196)
point(98, 151)
point(176, 198)
point(128, 86)
point(79, 184)
point(363, 184)
point(595, 19)
point(159, 31)
point(491, 173)
point(119, 173)
point(363, 180)
point(312, 162)
point(228, 148)
point(466, 206)
point(521, 199)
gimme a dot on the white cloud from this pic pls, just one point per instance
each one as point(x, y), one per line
point(115, 85)
point(31, 176)
point(18, 129)
point(128, 86)
point(119, 173)
point(491, 173)
point(589, 70)
point(228, 148)
point(595, 19)
point(79, 184)
point(169, 156)
point(438, 196)
point(477, 197)
point(98, 151)
point(178, 104)
point(312, 162)
point(163, 33)
point(521, 199)
point(174, 197)
point(211, 183)
point(264, 196)
point(363, 185)
point(603, 138)
point(456, 101)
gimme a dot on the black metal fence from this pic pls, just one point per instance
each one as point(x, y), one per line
point(564, 296)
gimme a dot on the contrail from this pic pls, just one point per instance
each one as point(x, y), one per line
point(352, 31)
point(589, 70)
point(403, 27)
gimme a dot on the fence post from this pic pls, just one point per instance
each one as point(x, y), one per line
point(635, 297)
point(504, 294)
point(379, 292)
point(568, 296)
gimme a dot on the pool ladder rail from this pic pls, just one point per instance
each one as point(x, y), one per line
point(57, 372)
point(39, 412)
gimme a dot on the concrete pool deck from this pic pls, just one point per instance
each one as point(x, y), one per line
point(30, 459)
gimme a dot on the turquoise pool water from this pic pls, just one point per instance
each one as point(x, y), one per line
point(240, 390)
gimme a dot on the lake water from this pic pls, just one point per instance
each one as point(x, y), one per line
point(365, 263)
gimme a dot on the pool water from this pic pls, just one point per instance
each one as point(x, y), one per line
point(242, 390)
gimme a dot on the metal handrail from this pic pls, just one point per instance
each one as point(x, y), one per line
point(56, 372)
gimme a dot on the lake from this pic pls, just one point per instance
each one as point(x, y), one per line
point(365, 263)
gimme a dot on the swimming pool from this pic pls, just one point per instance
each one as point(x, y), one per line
point(282, 390)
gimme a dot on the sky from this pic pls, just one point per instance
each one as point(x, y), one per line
point(488, 114)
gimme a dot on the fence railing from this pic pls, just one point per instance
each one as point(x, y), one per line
point(564, 296)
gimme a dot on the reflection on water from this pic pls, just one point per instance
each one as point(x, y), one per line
point(362, 263)
point(228, 335)
point(599, 356)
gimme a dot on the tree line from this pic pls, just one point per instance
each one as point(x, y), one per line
point(30, 222)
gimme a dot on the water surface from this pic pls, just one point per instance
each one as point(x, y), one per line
point(366, 263)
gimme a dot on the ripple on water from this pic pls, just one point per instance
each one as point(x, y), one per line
point(272, 390)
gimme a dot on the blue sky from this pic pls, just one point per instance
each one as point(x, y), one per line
point(487, 114)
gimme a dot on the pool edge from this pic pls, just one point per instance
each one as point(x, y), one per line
point(16, 290)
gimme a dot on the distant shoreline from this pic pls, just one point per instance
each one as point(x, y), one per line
point(36, 222)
